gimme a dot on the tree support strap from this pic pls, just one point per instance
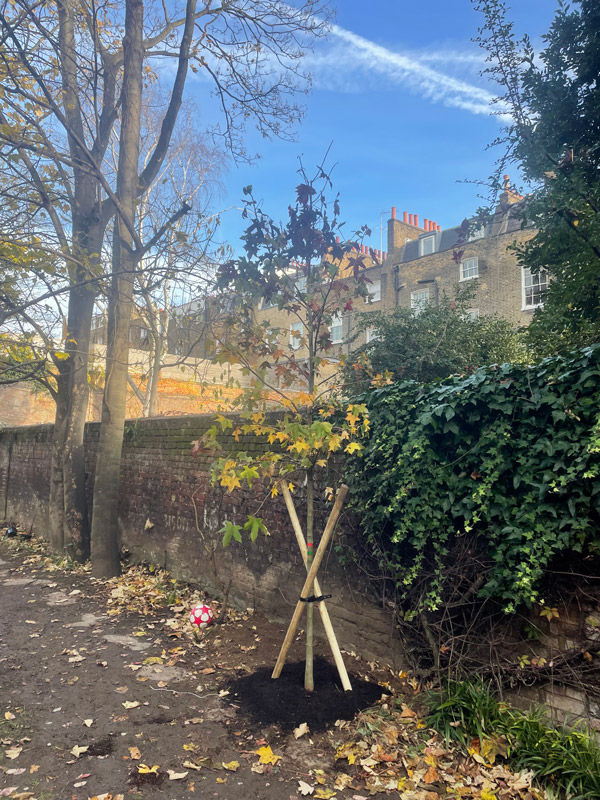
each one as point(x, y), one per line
point(313, 599)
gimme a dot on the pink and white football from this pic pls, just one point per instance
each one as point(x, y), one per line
point(202, 616)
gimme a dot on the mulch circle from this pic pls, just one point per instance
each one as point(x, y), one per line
point(284, 702)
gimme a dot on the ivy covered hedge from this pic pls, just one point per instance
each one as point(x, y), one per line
point(508, 457)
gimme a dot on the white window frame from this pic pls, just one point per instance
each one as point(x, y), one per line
point(422, 245)
point(374, 290)
point(295, 341)
point(473, 269)
point(336, 322)
point(371, 335)
point(416, 300)
point(541, 279)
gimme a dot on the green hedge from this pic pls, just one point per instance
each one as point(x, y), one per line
point(509, 455)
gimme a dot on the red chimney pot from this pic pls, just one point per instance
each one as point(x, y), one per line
point(393, 212)
point(406, 218)
point(426, 224)
point(337, 239)
point(416, 220)
point(439, 227)
point(411, 219)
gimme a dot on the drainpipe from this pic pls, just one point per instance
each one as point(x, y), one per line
point(396, 284)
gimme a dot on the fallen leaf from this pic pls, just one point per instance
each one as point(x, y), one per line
point(305, 788)
point(324, 794)
point(221, 780)
point(122, 689)
point(8, 715)
point(15, 771)
point(177, 776)
point(407, 712)
point(130, 704)
point(232, 766)
point(431, 776)
point(301, 730)
point(88, 722)
point(134, 753)
point(144, 769)
point(77, 750)
point(13, 752)
point(79, 784)
point(34, 768)
point(266, 755)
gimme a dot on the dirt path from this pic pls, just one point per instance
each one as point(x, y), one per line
point(87, 699)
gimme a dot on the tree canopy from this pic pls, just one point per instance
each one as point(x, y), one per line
point(551, 102)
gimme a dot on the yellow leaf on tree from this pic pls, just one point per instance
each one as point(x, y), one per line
point(353, 447)
point(266, 755)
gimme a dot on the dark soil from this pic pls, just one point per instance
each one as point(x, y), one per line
point(283, 702)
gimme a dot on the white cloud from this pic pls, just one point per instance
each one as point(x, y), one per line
point(351, 61)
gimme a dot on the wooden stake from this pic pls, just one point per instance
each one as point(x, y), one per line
point(331, 637)
point(310, 578)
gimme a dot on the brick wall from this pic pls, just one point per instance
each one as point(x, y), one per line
point(161, 482)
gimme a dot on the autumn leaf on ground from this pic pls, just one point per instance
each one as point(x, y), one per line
point(108, 796)
point(33, 768)
point(130, 704)
point(407, 712)
point(325, 794)
point(8, 715)
point(77, 750)
point(267, 756)
point(13, 752)
point(134, 753)
point(305, 788)
point(144, 769)
point(176, 776)
point(495, 746)
point(232, 766)
point(88, 722)
point(301, 730)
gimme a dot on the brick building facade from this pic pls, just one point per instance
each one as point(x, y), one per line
point(424, 263)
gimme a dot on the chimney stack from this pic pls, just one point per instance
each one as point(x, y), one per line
point(411, 220)
point(405, 218)
point(426, 224)
point(337, 239)
point(393, 212)
point(439, 227)
point(416, 220)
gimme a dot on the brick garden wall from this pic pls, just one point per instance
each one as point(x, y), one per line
point(163, 483)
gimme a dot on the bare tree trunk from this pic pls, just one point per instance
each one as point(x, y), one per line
point(56, 500)
point(160, 336)
point(105, 532)
point(76, 521)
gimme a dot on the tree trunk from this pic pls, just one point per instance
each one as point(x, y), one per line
point(56, 500)
point(151, 404)
point(76, 520)
point(105, 532)
point(309, 680)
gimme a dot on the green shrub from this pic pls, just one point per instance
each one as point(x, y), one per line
point(509, 456)
point(567, 759)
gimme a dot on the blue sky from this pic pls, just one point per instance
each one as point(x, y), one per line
point(397, 91)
